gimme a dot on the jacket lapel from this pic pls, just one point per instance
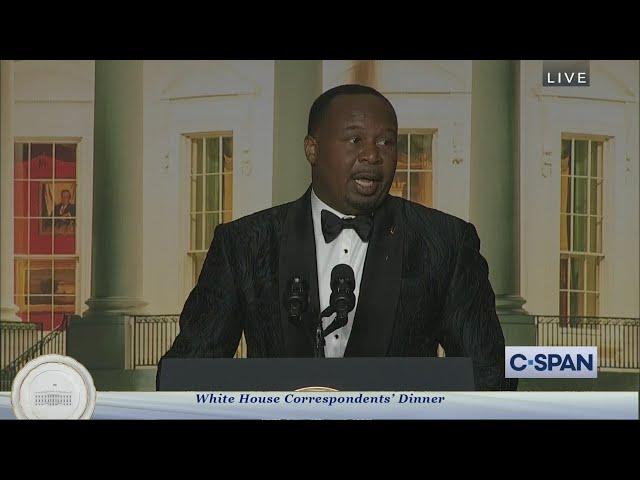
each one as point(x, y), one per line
point(298, 257)
point(380, 284)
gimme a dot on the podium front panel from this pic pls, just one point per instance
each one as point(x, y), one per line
point(342, 374)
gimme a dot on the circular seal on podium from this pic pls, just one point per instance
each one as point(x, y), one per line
point(53, 387)
point(315, 389)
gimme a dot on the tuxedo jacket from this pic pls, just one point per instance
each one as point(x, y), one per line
point(60, 210)
point(424, 283)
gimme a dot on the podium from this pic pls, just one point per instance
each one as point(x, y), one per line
point(290, 374)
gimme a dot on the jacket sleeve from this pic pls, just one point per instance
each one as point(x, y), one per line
point(470, 325)
point(211, 320)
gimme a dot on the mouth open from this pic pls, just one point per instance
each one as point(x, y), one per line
point(366, 184)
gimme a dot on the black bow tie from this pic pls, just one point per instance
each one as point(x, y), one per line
point(332, 225)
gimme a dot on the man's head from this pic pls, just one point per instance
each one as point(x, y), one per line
point(351, 146)
point(65, 195)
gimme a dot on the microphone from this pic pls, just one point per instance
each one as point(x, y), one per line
point(297, 298)
point(342, 299)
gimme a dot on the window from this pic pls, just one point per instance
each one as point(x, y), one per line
point(45, 224)
point(211, 176)
point(414, 173)
point(580, 225)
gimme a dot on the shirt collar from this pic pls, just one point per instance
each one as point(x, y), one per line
point(318, 205)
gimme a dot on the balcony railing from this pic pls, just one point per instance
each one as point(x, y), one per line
point(150, 336)
point(617, 339)
point(15, 338)
point(24, 342)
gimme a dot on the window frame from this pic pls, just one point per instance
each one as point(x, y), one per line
point(195, 255)
point(434, 137)
point(571, 255)
point(22, 301)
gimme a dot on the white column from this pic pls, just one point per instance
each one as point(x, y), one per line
point(7, 308)
point(116, 285)
point(101, 339)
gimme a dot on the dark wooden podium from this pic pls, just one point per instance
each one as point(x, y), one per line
point(289, 374)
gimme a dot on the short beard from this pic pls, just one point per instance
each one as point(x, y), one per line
point(365, 206)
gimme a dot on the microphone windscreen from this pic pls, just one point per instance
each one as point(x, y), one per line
point(296, 299)
point(343, 272)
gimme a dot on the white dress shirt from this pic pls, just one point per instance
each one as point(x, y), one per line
point(347, 248)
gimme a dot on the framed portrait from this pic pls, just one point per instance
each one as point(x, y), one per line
point(58, 208)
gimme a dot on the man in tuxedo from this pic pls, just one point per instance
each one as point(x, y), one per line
point(420, 280)
point(65, 208)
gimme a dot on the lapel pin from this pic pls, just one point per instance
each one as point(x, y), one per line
point(392, 230)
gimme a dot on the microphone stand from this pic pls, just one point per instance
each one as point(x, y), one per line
point(320, 334)
point(320, 343)
point(339, 322)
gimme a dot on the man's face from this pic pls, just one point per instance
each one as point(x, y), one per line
point(353, 154)
point(66, 197)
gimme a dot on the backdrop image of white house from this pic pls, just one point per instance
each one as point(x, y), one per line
point(556, 207)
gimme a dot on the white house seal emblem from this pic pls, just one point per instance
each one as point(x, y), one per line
point(53, 387)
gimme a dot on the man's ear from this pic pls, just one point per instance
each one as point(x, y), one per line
point(311, 149)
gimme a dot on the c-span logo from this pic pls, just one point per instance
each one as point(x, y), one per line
point(53, 387)
point(551, 362)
